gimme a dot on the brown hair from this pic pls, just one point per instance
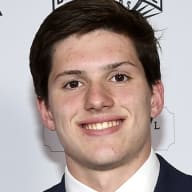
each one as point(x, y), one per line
point(81, 17)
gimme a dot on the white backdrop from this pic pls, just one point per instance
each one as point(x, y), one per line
point(26, 163)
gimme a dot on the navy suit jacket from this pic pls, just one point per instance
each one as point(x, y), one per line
point(169, 180)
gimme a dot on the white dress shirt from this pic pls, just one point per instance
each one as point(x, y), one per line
point(144, 179)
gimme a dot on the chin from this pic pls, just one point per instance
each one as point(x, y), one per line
point(105, 161)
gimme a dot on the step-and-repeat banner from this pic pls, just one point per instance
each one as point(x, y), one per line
point(32, 158)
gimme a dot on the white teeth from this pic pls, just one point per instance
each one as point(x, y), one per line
point(103, 125)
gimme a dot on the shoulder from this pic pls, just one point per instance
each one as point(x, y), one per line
point(60, 187)
point(171, 179)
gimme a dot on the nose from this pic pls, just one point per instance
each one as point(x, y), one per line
point(98, 98)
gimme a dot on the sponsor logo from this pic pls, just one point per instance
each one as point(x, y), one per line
point(147, 8)
point(163, 130)
point(58, 3)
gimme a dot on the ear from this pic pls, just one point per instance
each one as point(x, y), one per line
point(46, 115)
point(157, 99)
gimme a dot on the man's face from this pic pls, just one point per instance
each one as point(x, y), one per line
point(99, 100)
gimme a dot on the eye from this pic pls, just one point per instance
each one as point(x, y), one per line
point(119, 77)
point(72, 84)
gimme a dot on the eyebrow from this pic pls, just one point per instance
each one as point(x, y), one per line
point(118, 64)
point(69, 72)
point(108, 67)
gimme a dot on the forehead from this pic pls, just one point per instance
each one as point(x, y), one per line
point(95, 48)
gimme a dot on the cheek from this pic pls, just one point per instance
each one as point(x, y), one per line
point(134, 99)
point(64, 112)
point(126, 96)
point(64, 107)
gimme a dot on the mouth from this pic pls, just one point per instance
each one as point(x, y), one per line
point(102, 125)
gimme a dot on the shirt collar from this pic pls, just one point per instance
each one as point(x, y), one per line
point(144, 179)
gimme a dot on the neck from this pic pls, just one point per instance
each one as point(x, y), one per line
point(110, 179)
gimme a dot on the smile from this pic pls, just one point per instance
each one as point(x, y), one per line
point(102, 125)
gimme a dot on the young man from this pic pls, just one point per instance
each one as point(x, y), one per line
point(96, 73)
